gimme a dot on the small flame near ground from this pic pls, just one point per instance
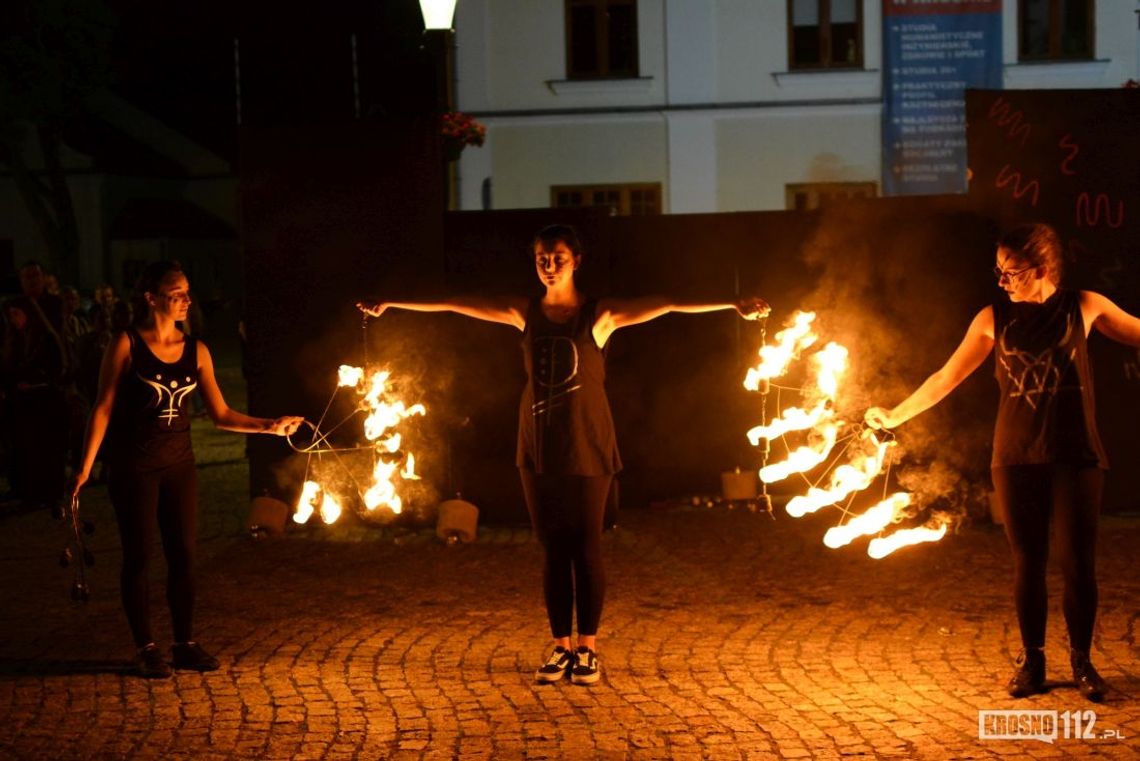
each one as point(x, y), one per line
point(865, 453)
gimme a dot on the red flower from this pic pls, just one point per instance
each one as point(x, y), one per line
point(461, 130)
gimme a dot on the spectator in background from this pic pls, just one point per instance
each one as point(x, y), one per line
point(75, 321)
point(31, 369)
point(104, 297)
point(34, 285)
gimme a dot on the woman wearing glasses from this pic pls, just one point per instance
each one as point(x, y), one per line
point(142, 409)
point(1048, 462)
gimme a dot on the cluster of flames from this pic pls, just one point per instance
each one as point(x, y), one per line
point(382, 414)
point(817, 421)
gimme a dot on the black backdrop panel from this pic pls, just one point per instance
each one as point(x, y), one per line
point(328, 215)
point(1070, 158)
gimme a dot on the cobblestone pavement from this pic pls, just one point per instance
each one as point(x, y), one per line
point(726, 635)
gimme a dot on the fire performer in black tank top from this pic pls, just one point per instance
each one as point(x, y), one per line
point(567, 451)
point(142, 411)
point(1048, 461)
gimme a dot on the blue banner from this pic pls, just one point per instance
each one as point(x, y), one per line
point(932, 51)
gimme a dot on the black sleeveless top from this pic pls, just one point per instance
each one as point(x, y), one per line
point(150, 423)
point(1047, 411)
point(565, 426)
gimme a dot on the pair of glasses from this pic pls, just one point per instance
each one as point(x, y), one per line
point(178, 298)
point(1001, 274)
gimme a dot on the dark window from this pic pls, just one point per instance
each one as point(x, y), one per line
point(601, 39)
point(814, 195)
point(825, 34)
point(621, 200)
point(1056, 29)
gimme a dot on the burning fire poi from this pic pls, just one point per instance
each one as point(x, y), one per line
point(383, 413)
point(866, 452)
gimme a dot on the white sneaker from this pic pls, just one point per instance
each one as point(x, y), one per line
point(586, 669)
point(555, 667)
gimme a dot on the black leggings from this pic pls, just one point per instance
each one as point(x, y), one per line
point(567, 514)
point(168, 499)
point(1068, 496)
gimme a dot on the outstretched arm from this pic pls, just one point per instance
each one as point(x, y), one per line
point(231, 420)
point(510, 310)
point(1101, 313)
point(975, 347)
point(620, 313)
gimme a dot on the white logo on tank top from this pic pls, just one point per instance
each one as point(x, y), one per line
point(173, 396)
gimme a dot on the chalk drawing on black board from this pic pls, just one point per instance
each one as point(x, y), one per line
point(1089, 210)
point(1066, 143)
point(1012, 121)
point(1005, 176)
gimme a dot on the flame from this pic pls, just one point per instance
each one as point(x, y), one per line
point(307, 501)
point(774, 360)
point(845, 479)
point(817, 417)
point(409, 471)
point(830, 363)
point(383, 492)
point(880, 547)
point(330, 508)
point(383, 414)
point(349, 376)
point(802, 459)
point(877, 518)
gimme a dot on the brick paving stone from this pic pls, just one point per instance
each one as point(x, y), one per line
point(726, 635)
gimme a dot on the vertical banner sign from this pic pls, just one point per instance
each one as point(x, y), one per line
point(932, 51)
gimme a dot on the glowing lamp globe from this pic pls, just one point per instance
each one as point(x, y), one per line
point(437, 13)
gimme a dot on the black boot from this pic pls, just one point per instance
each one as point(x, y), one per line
point(1029, 679)
point(1090, 683)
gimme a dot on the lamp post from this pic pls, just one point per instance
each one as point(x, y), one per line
point(437, 13)
point(438, 37)
point(438, 40)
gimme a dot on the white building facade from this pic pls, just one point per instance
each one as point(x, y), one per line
point(730, 105)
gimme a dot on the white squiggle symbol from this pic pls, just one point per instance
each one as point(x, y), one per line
point(173, 396)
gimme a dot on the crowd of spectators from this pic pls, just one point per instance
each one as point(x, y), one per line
point(52, 344)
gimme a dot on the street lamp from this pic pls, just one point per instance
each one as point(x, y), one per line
point(438, 37)
point(437, 13)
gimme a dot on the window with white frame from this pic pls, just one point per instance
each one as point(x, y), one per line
point(825, 34)
point(601, 39)
point(805, 196)
point(623, 200)
point(1055, 30)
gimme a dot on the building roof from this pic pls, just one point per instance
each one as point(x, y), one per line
point(150, 218)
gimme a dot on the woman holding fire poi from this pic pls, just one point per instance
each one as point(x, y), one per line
point(567, 451)
point(142, 409)
point(1048, 462)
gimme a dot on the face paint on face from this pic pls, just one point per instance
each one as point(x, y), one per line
point(173, 297)
point(1019, 279)
point(556, 266)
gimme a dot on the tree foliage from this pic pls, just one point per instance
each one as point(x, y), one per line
point(53, 55)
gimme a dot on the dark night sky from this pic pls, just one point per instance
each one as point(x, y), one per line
point(176, 61)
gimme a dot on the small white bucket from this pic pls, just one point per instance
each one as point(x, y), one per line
point(739, 484)
point(458, 521)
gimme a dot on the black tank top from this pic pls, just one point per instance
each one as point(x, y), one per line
point(565, 426)
point(1047, 412)
point(150, 423)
